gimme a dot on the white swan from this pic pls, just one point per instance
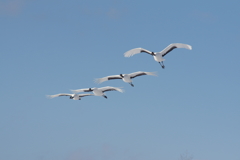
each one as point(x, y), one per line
point(73, 96)
point(125, 77)
point(98, 91)
point(158, 56)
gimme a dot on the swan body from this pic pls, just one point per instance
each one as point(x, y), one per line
point(125, 77)
point(73, 96)
point(98, 91)
point(158, 56)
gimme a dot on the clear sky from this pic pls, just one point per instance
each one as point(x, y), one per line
point(51, 46)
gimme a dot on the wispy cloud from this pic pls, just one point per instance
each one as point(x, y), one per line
point(81, 154)
point(105, 152)
point(204, 16)
point(11, 7)
point(112, 13)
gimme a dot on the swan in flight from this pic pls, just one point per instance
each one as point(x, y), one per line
point(98, 91)
point(125, 77)
point(73, 96)
point(158, 56)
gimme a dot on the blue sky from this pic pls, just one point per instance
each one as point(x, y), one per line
point(192, 107)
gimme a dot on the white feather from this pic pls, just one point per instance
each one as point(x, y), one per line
point(60, 94)
point(178, 45)
point(140, 72)
point(100, 80)
point(79, 90)
point(132, 52)
point(113, 88)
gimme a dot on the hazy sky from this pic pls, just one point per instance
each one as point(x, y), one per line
point(50, 46)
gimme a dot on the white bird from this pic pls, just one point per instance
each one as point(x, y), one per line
point(158, 56)
point(73, 96)
point(125, 77)
point(98, 91)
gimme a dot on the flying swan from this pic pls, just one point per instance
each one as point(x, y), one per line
point(125, 77)
point(158, 56)
point(73, 96)
point(98, 91)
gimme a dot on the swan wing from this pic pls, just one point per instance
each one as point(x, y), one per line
point(100, 80)
point(109, 88)
point(141, 73)
point(58, 95)
point(136, 51)
point(173, 46)
point(83, 95)
point(82, 90)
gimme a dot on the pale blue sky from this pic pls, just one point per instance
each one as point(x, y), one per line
point(51, 46)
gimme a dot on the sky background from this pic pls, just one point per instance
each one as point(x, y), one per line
point(51, 46)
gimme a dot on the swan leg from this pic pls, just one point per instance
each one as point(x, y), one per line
point(162, 64)
point(105, 96)
point(131, 84)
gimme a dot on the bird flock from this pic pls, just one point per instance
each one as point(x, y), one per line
point(127, 78)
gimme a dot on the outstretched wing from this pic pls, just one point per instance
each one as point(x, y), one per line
point(136, 51)
point(100, 80)
point(109, 88)
point(141, 73)
point(83, 95)
point(173, 46)
point(82, 90)
point(58, 95)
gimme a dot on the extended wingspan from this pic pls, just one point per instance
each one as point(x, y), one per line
point(58, 95)
point(100, 80)
point(173, 46)
point(82, 90)
point(141, 73)
point(136, 51)
point(108, 88)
